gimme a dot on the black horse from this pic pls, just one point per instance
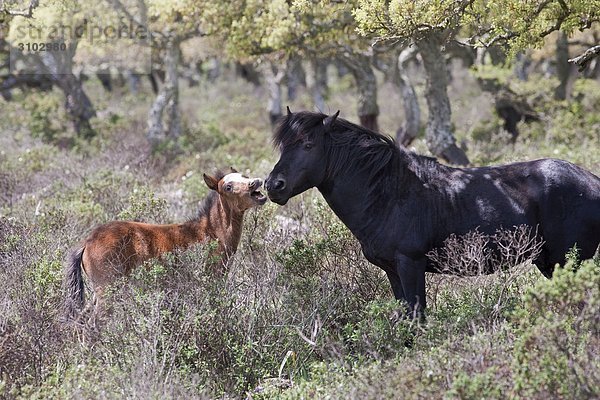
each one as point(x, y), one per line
point(401, 205)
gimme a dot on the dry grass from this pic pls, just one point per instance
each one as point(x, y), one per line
point(301, 313)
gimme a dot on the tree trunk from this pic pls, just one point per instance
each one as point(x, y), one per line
point(412, 111)
point(295, 77)
point(563, 68)
point(522, 64)
point(317, 82)
point(274, 75)
point(366, 85)
point(58, 66)
point(78, 104)
point(167, 100)
point(495, 53)
point(438, 133)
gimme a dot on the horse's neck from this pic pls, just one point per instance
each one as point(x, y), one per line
point(221, 223)
point(349, 198)
point(227, 224)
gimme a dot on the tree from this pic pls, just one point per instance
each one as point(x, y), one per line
point(430, 24)
point(54, 67)
point(314, 29)
point(438, 133)
point(168, 25)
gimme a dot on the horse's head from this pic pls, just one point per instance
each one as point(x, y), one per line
point(237, 190)
point(303, 161)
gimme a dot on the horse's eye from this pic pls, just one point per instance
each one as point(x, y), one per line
point(308, 146)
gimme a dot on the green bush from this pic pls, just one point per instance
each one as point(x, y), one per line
point(559, 335)
point(144, 206)
point(46, 116)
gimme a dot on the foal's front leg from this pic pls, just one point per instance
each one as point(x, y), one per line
point(412, 278)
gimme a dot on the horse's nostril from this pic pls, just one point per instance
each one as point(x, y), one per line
point(279, 184)
point(275, 184)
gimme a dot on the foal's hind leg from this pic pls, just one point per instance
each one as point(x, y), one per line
point(96, 312)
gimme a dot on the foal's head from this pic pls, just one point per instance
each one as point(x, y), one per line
point(237, 190)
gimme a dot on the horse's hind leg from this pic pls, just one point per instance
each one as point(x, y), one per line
point(96, 309)
point(543, 264)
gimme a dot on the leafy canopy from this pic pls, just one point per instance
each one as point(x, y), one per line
point(516, 23)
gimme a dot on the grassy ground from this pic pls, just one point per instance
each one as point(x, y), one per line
point(301, 314)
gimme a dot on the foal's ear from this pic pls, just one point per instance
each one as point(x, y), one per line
point(211, 182)
point(288, 111)
point(233, 170)
point(328, 121)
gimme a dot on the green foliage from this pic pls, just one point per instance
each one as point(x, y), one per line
point(46, 275)
point(521, 25)
point(143, 206)
point(476, 386)
point(45, 116)
point(559, 330)
point(251, 29)
point(378, 332)
point(204, 138)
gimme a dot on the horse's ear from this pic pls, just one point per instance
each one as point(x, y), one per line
point(328, 121)
point(288, 111)
point(233, 170)
point(211, 182)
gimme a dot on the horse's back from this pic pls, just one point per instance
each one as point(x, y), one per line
point(558, 199)
point(115, 248)
point(569, 209)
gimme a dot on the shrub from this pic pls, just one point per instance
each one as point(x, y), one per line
point(556, 353)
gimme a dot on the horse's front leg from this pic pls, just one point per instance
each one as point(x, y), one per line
point(412, 278)
point(396, 285)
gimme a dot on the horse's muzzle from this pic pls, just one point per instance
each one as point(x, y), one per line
point(275, 185)
point(276, 189)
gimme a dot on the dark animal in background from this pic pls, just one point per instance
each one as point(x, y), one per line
point(510, 107)
point(400, 205)
point(114, 249)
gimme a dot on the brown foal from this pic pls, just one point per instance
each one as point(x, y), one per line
point(114, 249)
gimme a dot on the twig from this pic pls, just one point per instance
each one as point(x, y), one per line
point(28, 13)
point(582, 60)
point(132, 19)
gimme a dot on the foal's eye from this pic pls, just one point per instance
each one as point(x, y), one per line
point(228, 188)
point(308, 146)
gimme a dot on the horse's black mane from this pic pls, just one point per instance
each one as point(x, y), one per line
point(354, 147)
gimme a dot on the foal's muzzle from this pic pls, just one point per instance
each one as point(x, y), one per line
point(257, 183)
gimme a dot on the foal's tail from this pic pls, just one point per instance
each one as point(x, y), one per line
point(74, 286)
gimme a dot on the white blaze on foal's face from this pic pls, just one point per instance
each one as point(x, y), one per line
point(246, 190)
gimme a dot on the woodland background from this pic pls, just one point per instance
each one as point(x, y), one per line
point(91, 134)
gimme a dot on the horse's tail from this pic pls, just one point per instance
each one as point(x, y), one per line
point(74, 286)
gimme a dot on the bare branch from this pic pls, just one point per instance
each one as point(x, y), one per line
point(27, 13)
point(132, 19)
point(582, 60)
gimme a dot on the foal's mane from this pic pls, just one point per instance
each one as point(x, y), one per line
point(353, 148)
point(209, 201)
